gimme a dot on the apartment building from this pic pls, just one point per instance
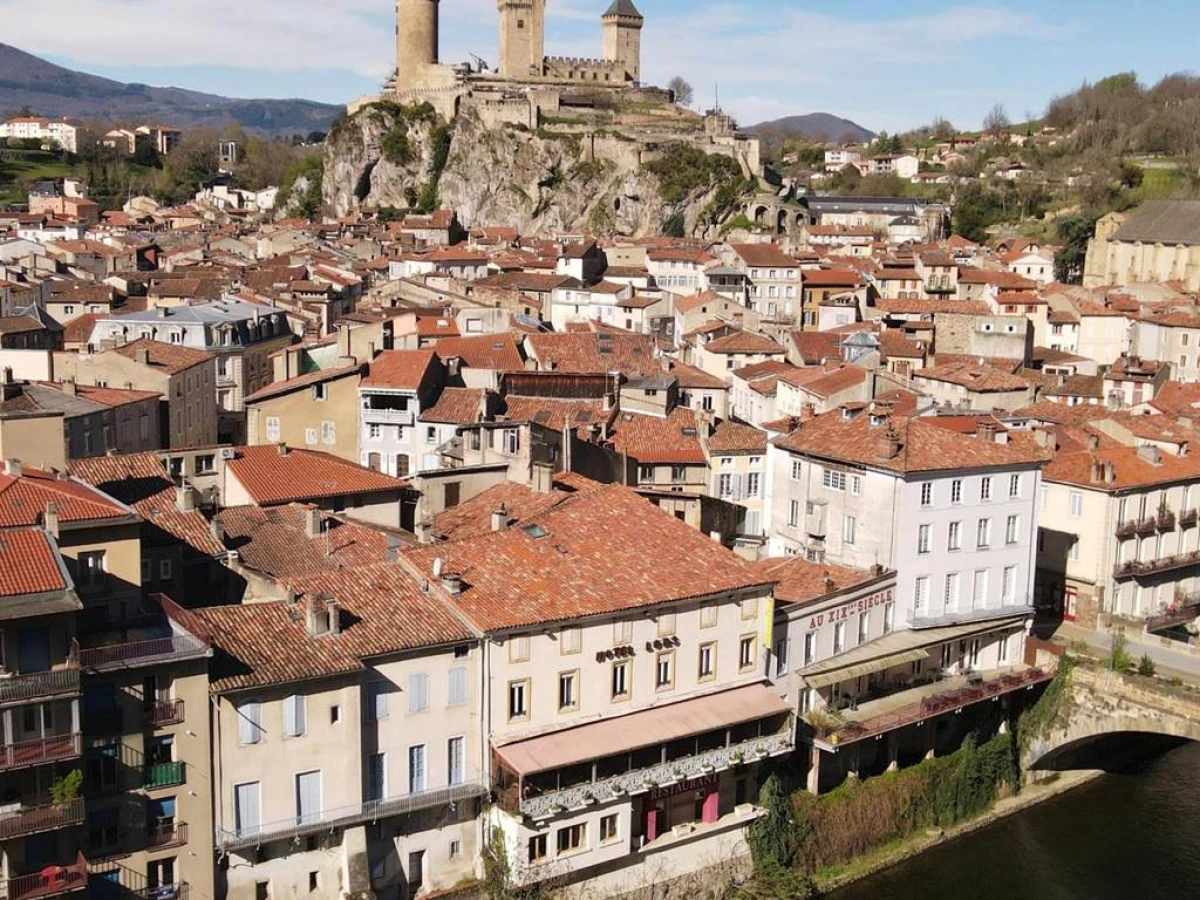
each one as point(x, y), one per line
point(774, 279)
point(318, 410)
point(737, 469)
point(400, 386)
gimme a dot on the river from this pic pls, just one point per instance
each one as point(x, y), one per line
point(1130, 836)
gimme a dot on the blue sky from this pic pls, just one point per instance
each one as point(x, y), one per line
point(886, 64)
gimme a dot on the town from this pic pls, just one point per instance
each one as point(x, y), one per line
point(355, 547)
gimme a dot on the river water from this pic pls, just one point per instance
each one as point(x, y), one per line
point(1132, 836)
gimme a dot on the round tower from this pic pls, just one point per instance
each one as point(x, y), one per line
point(416, 41)
point(622, 26)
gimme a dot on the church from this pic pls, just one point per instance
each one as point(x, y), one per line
point(522, 47)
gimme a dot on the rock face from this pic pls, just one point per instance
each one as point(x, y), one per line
point(508, 175)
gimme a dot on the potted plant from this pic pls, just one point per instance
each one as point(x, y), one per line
point(67, 788)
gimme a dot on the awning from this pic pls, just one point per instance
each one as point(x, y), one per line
point(641, 729)
point(894, 649)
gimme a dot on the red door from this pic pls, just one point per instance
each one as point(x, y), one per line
point(651, 830)
point(712, 806)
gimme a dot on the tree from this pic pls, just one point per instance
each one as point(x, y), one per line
point(941, 129)
point(684, 95)
point(1074, 233)
point(996, 122)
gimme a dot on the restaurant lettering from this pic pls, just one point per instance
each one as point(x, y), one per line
point(846, 610)
point(704, 782)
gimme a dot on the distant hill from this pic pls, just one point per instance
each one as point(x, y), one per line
point(813, 127)
point(51, 90)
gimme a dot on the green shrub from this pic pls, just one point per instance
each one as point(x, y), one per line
point(395, 145)
point(67, 788)
point(684, 169)
point(1146, 665)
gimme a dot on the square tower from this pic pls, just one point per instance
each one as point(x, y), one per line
point(622, 24)
point(522, 37)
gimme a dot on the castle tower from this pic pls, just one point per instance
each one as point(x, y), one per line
point(416, 41)
point(522, 37)
point(622, 24)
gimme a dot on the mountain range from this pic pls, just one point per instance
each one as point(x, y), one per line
point(818, 127)
point(46, 89)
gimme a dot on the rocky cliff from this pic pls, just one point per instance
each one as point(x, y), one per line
point(540, 182)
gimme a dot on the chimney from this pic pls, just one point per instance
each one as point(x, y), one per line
point(312, 523)
point(890, 443)
point(142, 355)
point(185, 498)
point(1110, 474)
point(453, 583)
point(12, 467)
point(217, 527)
point(499, 518)
point(335, 616)
point(68, 387)
point(163, 312)
point(51, 519)
point(282, 448)
point(1148, 453)
point(828, 583)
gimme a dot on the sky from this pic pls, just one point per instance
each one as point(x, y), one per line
point(886, 64)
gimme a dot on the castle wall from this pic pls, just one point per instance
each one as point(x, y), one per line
point(570, 68)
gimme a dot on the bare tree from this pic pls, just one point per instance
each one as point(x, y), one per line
point(996, 122)
point(684, 95)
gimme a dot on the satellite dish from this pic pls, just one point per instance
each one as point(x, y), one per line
point(438, 565)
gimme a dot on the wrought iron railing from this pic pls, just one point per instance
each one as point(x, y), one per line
point(166, 834)
point(38, 815)
point(1134, 568)
point(140, 653)
point(36, 685)
point(36, 752)
point(163, 712)
point(49, 881)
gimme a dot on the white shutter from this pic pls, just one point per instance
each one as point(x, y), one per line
point(294, 715)
point(249, 722)
point(455, 755)
point(416, 769)
point(458, 686)
point(308, 797)
point(246, 815)
point(418, 692)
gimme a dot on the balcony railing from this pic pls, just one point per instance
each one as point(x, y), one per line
point(1126, 529)
point(1188, 517)
point(166, 834)
point(36, 752)
point(388, 416)
point(543, 806)
point(1165, 520)
point(1138, 568)
point(164, 774)
point(1146, 526)
point(163, 712)
point(141, 653)
point(48, 882)
point(1185, 608)
point(39, 815)
point(367, 811)
point(39, 685)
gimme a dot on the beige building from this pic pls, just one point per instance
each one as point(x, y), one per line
point(1156, 242)
point(318, 411)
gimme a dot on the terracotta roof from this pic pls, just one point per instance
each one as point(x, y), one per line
point(695, 378)
point(933, 307)
point(652, 440)
point(271, 478)
point(555, 413)
point(831, 278)
point(744, 342)
point(730, 438)
point(598, 552)
point(999, 278)
point(456, 406)
point(801, 581)
point(896, 344)
point(473, 518)
point(141, 481)
point(696, 301)
point(321, 376)
point(973, 377)
point(1130, 470)
point(23, 500)
point(79, 330)
point(764, 369)
point(1061, 413)
point(595, 352)
point(169, 357)
point(834, 382)
point(436, 326)
point(485, 351)
point(763, 256)
point(1079, 386)
point(401, 370)
point(1178, 399)
point(29, 563)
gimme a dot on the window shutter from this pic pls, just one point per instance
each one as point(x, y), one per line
point(246, 812)
point(289, 716)
point(250, 722)
point(418, 692)
point(458, 686)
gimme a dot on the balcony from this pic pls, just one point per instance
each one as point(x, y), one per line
point(39, 685)
point(1165, 520)
point(342, 817)
point(161, 775)
point(37, 752)
point(1188, 517)
point(34, 816)
point(164, 712)
point(1126, 529)
point(174, 648)
point(49, 882)
point(1139, 568)
point(1147, 526)
point(387, 416)
point(166, 834)
point(915, 705)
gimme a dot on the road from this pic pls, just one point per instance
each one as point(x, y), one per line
point(1167, 663)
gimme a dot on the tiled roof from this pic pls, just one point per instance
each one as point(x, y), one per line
point(598, 552)
point(474, 517)
point(271, 478)
point(763, 256)
point(168, 357)
point(744, 342)
point(436, 326)
point(401, 370)
point(321, 376)
point(23, 500)
point(595, 352)
point(1061, 413)
point(765, 369)
point(695, 301)
point(801, 581)
point(973, 377)
point(1079, 386)
point(140, 480)
point(1162, 222)
point(933, 307)
point(830, 278)
point(730, 437)
point(650, 440)
point(29, 563)
point(921, 445)
point(841, 379)
point(485, 351)
point(999, 278)
point(456, 406)
point(1130, 470)
point(555, 413)
point(1178, 399)
point(694, 378)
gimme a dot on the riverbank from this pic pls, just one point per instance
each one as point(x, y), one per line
point(899, 851)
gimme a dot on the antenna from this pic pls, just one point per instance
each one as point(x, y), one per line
point(438, 565)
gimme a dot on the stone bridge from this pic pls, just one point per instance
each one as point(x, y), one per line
point(1097, 704)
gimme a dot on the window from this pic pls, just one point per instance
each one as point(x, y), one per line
point(456, 760)
point(666, 624)
point(431, 434)
point(810, 647)
point(1073, 549)
point(518, 692)
point(451, 492)
point(678, 473)
point(985, 488)
point(856, 485)
point(537, 848)
point(416, 769)
point(797, 469)
point(335, 714)
point(979, 593)
point(568, 698)
point(956, 491)
point(320, 392)
point(954, 536)
point(623, 632)
point(794, 513)
point(375, 432)
point(746, 652)
point(664, 670)
point(708, 614)
point(749, 608)
point(707, 667)
point(377, 700)
point(983, 534)
point(571, 838)
point(864, 627)
point(456, 691)
point(308, 798)
point(455, 849)
point(849, 524)
point(951, 595)
point(402, 465)
point(518, 649)
point(924, 538)
point(273, 429)
point(835, 481)
point(512, 441)
point(927, 494)
point(376, 776)
point(645, 474)
point(1076, 502)
point(294, 723)
point(608, 828)
point(921, 595)
point(92, 566)
point(249, 722)
point(1014, 485)
point(1042, 497)
point(620, 680)
point(1011, 526)
point(418, 692)
point(752, 484)
point(1002, 650)
point(889, 617)
point(1009, 585)
point(839, 637)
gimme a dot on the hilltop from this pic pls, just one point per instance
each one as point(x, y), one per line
point(27, 81)
point(820, 126)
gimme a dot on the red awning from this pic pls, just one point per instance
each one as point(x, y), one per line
point(641, 729)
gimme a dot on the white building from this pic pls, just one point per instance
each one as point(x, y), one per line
point(36, 128)
point(400, 385)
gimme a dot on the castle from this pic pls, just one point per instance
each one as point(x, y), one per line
point(522, 47)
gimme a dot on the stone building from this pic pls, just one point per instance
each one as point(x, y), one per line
point(1159, 241)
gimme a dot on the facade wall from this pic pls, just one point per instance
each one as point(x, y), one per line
point(298, 419)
